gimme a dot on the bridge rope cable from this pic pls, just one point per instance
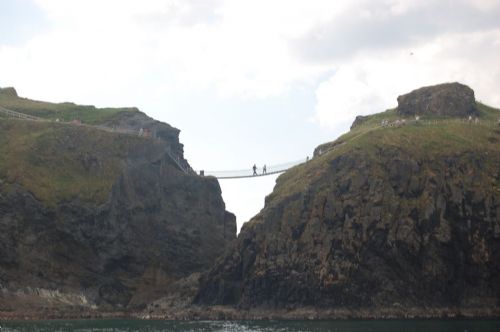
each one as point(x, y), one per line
point(249, 173)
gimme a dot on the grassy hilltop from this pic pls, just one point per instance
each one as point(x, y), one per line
point(62, 111)
point(429, 137)
point(57, 161)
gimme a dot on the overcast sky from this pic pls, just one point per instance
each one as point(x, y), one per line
point(248, 81)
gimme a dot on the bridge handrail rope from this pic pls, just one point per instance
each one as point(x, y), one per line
point(248, 173)
point(18, 115)
point(180, 162)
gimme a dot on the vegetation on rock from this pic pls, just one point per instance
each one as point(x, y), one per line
point(92, 219)
point(58, 162)
point(405, 215)
point(62, 111)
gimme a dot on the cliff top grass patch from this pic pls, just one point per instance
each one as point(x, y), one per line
point(430, 137)
point(62, 111)
point(58, 162)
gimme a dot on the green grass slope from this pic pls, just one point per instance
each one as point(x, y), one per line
point(62, 111)
point(58, 162)
point(428, 138)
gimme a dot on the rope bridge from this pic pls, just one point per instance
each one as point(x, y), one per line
point(178, 161)
point(249, 173)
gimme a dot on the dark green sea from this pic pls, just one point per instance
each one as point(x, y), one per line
point(253, 326)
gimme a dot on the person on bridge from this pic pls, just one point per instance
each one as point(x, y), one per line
point(264, 169)
point(254, 169)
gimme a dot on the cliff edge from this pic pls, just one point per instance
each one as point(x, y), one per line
point(397, 218)
point(95, 217)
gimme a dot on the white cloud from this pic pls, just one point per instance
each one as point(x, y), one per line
point(249, 48)
point(371, 82)
point(239, 47)
point(346, 94)
point(352, 55)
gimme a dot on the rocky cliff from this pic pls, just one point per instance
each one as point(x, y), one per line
point(388, 221)
point(93, 219)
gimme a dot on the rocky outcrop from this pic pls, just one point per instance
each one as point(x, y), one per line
point(155, 226)
point(449, 99)
point(359, 120)
point(136, 120)
point(387, 231)
point(8, 92)
point(392, 222)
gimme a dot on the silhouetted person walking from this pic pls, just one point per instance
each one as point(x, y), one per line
point(264, 170)
point(254, 169)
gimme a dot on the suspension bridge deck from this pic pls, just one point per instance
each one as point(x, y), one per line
point(249, 173)
point(250, 176)
point(227, 177)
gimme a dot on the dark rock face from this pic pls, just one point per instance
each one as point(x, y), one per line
point(449, 99)
point(8, 91)
point(158, 225)
point(360, 119)
point(137, 120)
point(386, 231)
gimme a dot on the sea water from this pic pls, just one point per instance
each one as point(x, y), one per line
point(253, 326)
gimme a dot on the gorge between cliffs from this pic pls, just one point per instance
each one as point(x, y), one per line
point(397, 218)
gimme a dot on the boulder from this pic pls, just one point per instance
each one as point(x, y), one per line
point(8, 91)
point(448, 99)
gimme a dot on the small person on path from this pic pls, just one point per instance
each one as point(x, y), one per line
point(254, 169)
point(264, 169)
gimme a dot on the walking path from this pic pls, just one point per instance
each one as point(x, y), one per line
point(14, 114)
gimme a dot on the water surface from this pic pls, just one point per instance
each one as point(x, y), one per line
point(252, 326)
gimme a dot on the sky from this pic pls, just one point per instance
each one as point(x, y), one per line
point(248, 82)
